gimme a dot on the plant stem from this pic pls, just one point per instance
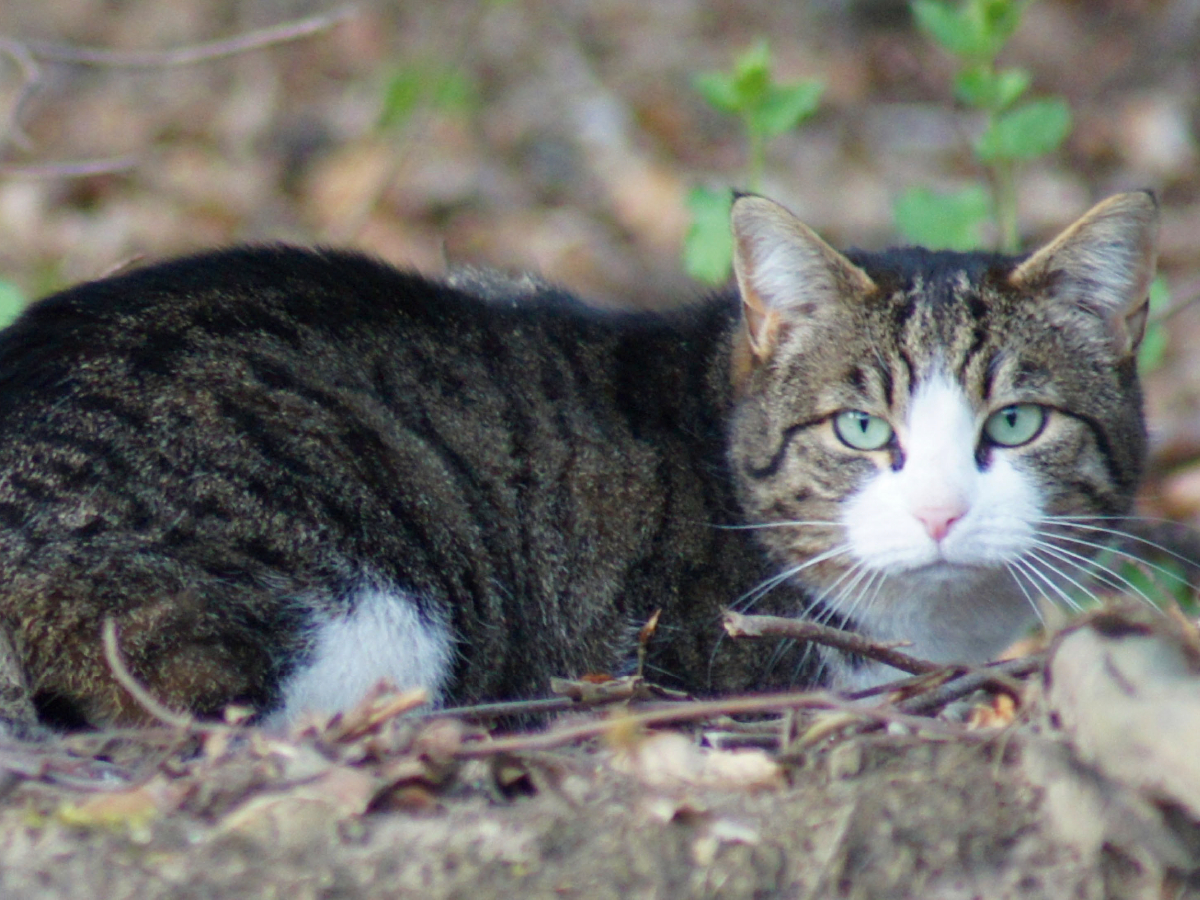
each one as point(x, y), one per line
point(1004, 198)
point(758, 156)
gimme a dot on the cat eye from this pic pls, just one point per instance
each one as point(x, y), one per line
point(862, 431)
point(1015, 425)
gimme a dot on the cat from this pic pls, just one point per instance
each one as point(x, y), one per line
point(288, 474)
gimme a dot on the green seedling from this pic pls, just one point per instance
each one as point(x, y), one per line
point(1016, 128)
point(424, 86)
point(766, 109)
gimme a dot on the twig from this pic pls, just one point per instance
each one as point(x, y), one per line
point(972, 681)
point(26, 55)
point(30, 76)
point(738, 625)
point(192, 53)
point(1186, 295)
point(497, 710)
point(660, 715)
point(572, 695)
point(112, 654)
point(674, 713)
point(54, 766)
point(72, 169)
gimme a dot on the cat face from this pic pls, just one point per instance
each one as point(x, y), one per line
point(932, 438)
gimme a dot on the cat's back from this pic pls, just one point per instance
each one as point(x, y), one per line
point(171, 312)
point(228, 453)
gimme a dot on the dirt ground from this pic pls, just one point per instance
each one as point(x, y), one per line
point(1091, 791)
point(915, 818)
point(562, 136)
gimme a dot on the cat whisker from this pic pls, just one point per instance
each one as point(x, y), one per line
point(746, 602)
point(1017, 573)
point(783, 523)
point(1046, 553)
point(777, 653)
point(1132, 557)
point(1084, 523)
point(829, 610)
point(751, 597)
point(839, 605)
point(1094, 568)
point(1033, 565)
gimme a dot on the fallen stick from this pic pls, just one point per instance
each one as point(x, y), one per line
point(738, 625)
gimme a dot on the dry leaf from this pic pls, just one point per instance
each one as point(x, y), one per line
point(382, 704)
point(669, 759)
point(129, 811)
point(303, 813)
point(718, 832)
point(998, 713)
point(826, 724)
point(597, 688)
point(647, 630)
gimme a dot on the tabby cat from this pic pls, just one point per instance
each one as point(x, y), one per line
point(286, 475)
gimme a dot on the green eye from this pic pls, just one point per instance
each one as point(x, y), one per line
point(861, 430)
point(1015, 425)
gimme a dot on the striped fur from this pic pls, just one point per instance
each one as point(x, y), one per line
point(885, 333)
point(243, 457)
point(226, 451)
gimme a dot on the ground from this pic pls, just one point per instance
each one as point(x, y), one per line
point(563, 137)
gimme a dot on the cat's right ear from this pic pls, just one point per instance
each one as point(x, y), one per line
point(786, 275)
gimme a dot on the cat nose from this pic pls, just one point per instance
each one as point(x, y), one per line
point(938, 519)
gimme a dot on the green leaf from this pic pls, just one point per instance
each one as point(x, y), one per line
point(1027, 131)
point(752, 76)
point(708, 247)
point(945, 25)
point(786, 106)
point(1153, 348)
point(745, 89)
point(401, 96)
point(453, 91)
point(719, 90)
point(12, 301)
point(998, 19)
point(974, 29)
point(411, 87)
point(980, 87)
point(950, 221)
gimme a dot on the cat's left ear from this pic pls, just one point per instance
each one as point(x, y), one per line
point(1103, 264)
point(785, 273)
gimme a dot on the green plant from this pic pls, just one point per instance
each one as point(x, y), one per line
point(424, 85)
point(766, 109)
point(12, 301)
point(1154, 343)
point(1016, 128)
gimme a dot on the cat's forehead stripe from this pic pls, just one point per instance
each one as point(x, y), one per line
point(944, 312)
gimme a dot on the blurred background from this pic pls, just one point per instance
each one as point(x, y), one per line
point(564, 136)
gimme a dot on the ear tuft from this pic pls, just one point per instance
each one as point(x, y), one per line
point(783, 267)
point(1102, 264)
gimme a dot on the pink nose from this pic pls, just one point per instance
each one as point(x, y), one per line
point(938, 519)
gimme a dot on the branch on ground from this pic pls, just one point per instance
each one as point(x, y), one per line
point(739, 625)
point(27, 56)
